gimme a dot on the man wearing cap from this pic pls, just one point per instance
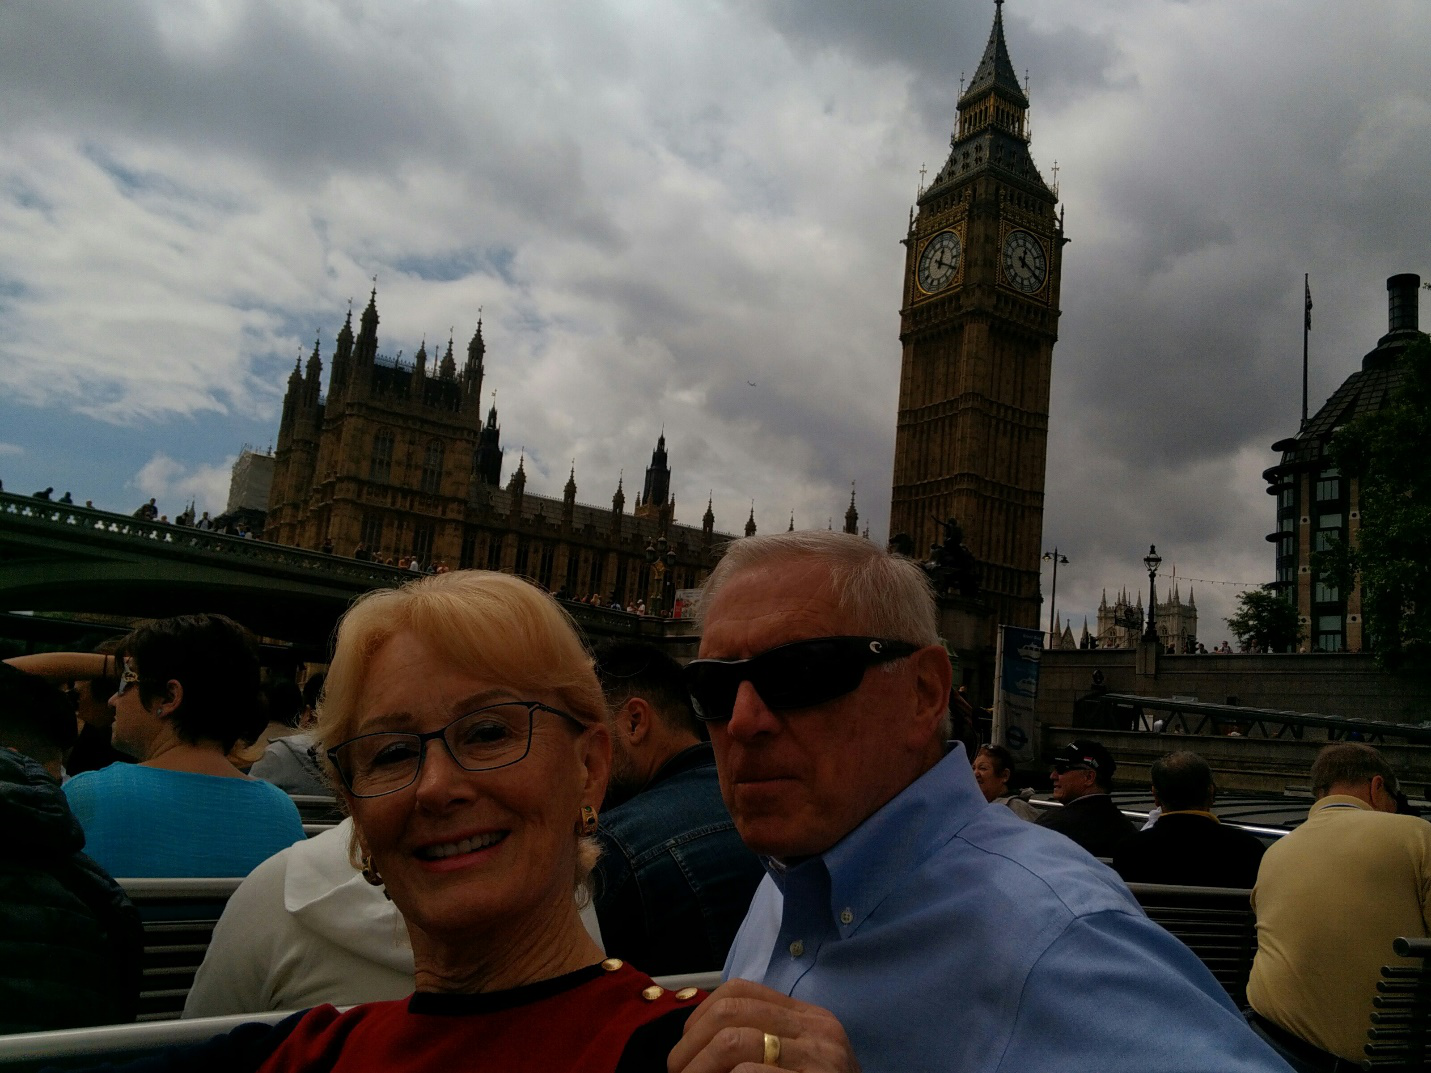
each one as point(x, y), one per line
point(1082, 775)
point(891, 883)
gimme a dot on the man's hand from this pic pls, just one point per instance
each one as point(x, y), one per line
point(726, 1034)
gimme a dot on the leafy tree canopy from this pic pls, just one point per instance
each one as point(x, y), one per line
point(1265, 622)
point(1389, 454)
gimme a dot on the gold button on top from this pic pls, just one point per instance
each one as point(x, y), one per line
point(797, 948)
point(652, 993)
point(687, 993)
point(612, 964)
point(846, 917)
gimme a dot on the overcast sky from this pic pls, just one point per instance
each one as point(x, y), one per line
point(689, 214)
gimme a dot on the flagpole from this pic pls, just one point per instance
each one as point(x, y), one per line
point(1306, 330)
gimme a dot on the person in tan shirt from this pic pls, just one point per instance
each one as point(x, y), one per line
point(1330, 898)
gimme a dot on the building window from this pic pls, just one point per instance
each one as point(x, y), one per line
point(1329, 633)
point(1286, 524)
point(380, 465)
point(524, 554)
point(422, 536)
point(432, 468)
point(619, 589)
point(494, 552)
point(1329, 521)
point(372, 534)
point(1329, 488)
point(1326, 592)
point(468, 558)
point(544, 565)
point(1286, 498)
point(598, 564)
point(573, 565)
point(1327, 539)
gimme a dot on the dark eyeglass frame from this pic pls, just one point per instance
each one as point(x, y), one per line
point(814, 671)
point(532, 707)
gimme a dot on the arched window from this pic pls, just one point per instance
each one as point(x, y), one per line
point(380, 464)
point(432, 468)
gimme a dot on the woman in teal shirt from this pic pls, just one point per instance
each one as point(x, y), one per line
point(188, 692)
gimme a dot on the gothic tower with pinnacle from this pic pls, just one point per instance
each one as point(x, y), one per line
point(978, 324)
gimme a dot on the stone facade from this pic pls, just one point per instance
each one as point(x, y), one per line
point(1121, 623)
point(978, 324)
point(398, 460)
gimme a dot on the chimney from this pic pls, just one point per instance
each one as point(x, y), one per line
point(1401, 298)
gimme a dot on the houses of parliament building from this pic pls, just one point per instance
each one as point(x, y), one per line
point(397, 459)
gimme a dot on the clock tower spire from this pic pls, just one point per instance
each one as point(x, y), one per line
point(977, 328)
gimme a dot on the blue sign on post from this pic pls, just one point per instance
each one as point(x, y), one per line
point(1016, 690)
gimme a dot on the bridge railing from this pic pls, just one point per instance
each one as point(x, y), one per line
point(1127, 711)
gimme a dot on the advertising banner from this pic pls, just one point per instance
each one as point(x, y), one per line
point(1015, 692)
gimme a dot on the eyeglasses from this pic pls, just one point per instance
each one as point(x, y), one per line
point(798, 675)
point(498, 735)
point(127, 678)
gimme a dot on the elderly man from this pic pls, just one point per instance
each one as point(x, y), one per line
point(905, 924)
point(1330, 898)
point(1188, 846)
point(1082, 774)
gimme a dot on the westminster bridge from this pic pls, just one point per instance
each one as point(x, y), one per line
point(71, 560)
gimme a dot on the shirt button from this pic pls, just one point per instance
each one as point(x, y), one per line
point(846, 917)
point(797, 948)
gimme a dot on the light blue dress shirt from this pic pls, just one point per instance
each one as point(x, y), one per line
point(948, 934)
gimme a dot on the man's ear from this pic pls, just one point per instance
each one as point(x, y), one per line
point(635, 719)
point(933, 679)
point(173, 695)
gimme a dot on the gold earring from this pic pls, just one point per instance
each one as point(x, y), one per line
point(370, 872)
point(588, 820)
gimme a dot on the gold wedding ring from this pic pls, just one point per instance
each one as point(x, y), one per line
point(772, 1050)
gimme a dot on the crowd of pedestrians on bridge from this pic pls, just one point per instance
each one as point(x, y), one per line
point(532, 829)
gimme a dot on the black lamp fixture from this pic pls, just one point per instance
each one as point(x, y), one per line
point(1055, 558)
point(1152, 561)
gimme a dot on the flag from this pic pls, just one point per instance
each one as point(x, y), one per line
point(1306, 282)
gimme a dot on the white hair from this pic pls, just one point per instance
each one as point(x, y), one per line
point(884, 594)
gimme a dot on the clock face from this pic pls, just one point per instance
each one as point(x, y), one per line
point(939, 261)
point(1025, 266)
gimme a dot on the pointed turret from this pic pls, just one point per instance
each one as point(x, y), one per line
point(342, 357)
point(488, 457)
point(517, 486)
point(708, 519)
point(618, 504)
point(448, 369)
point(420, 361)
point(472, 370)
point(792, 523)
point(365, 348)
point(568, 498)
point(996, 70)
point(852, 516)
point(750, 522)
point(313, 378)
point(292, 401)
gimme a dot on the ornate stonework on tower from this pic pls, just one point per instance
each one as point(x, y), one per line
point(978, 324)
point(396, 460)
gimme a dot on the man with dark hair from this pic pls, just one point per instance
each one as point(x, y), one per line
point(1330, 898)
point(1082, 773)
point(674, 879)
point(69, 939)
point(1188, 846)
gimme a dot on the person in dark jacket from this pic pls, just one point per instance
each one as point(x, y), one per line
point(674, 880)
point(70, 941)
point(1188, 846)
point(1082, 775)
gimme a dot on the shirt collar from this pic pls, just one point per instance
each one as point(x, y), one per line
point(698, 755)
point(1339, 801)
point(865, 865)
point(1190, 812)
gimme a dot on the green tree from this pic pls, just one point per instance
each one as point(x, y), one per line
point(1265, 621)
point(1389, 454)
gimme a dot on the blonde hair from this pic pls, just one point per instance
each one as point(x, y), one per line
point(495, 625)
point(886, 595)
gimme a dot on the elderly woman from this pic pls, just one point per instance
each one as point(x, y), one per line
point(188, 690)
point(993, 767)
point(466, 735)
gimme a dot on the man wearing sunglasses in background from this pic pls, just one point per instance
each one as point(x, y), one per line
point(905, 924)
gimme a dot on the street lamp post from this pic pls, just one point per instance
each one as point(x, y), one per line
point(1055, 558)
point(1152, 561)
point(662, 558)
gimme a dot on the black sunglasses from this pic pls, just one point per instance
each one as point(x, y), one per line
point(798, 675)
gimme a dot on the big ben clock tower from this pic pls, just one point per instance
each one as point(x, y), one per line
point(978, 324)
